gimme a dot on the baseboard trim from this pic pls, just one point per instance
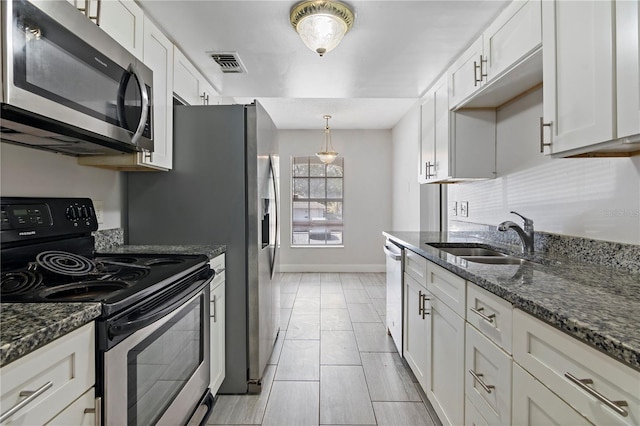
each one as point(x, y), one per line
point(332, 268)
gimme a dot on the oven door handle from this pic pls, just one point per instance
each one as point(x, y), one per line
point(129, 327)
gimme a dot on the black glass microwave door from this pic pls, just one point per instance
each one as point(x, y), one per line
point(54, 63)
point(159, 367)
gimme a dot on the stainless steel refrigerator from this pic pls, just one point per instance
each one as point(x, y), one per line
point(223, 189)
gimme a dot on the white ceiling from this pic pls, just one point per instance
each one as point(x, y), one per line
point(393, 53)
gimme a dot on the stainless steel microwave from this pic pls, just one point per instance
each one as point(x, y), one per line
point(67, 86)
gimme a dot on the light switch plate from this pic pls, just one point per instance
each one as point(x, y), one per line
point(454, 208)
point(464, 208)
point(99, 208)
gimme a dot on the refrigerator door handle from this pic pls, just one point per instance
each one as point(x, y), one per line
point(275, 196)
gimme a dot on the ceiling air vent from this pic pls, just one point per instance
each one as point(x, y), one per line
point(229, 62)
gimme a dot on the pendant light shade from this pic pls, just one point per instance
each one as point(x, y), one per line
point(327, 154)
point(321, 24)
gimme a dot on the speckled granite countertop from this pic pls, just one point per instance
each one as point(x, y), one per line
point(209, 250)
point(596, 304)
point(25, 327)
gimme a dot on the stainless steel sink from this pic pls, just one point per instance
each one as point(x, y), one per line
point(496, 260)
point(471, 251)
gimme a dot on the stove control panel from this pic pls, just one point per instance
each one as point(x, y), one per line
point(24, 218)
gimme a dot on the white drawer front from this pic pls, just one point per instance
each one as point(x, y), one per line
point(448, 287)
point(68, 363)
point(550, 355)
point(217, 281)
point(472, 416)
point(76, 413)
point(492, 367)
point(416, 266)
point(490, 314)
point(218, 263)
point(535, 405)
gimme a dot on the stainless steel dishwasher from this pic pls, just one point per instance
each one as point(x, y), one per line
point(394, 255)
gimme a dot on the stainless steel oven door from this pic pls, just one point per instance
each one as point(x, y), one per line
point(158, 374)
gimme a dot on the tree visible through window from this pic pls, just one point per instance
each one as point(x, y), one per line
point(317, 200)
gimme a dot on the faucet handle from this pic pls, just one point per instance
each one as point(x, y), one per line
point(527, 222)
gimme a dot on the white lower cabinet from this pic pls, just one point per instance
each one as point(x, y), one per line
point(535, 405)
point(416, 328)
point(217, 324)
point(59, 373)
point(445, 362)
point(488, 377)
point(472, 416)
point(81, 413)
point(600, 388)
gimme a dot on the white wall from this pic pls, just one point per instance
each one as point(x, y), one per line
point(367, 200)
point(27, 172)
point(596, 198)
point(406, 189)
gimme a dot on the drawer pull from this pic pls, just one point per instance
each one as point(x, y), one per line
point(614, 405)
point(96, 411)
point(29, 396)
point(478, 378)
point(488, 318)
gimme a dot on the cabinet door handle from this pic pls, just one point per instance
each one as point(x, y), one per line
point(488, 318)
point(420, 304)
point(475, 74)
point(483, 72)
point(478, 378)
point(542, 126)
point(214, 314)
point(614, 405)
point(29, 396)
point(424, 308)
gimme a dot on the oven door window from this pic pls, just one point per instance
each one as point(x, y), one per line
point(159, 366)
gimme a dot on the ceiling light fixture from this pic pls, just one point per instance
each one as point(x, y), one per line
point(321, 23)
point(327, 154)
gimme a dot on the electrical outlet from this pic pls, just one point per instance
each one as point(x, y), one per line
point(454, 208)
point(464, 208)
point(99, 208)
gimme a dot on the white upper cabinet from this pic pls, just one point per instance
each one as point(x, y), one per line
point(189, 85)
point(503, 62)
point(121, 19)
point(628, 67)
point(516, 33)
point(578, 73)
point(591, 78)
point(454, 146)
point(467, 73)
point(158, 55)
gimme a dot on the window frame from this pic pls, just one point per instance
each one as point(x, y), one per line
point(309, 178)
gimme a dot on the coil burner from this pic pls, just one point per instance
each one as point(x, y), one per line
point(19, 282)
point(64, 263)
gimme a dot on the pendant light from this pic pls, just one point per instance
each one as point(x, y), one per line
point(321, 24)
point(327, 154)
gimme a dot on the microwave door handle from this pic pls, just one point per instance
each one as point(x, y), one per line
point(145, 102)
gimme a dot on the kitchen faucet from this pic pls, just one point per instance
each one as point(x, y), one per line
point(526, 234)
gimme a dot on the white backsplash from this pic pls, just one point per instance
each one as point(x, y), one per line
point(595, 198)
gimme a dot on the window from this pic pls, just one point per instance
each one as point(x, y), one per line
point(317, 200)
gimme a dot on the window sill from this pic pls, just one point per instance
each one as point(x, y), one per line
point(323, 246)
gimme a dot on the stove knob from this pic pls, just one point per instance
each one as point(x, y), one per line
point(73, 213)
point(84, 212)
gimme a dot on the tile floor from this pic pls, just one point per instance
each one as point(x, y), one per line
point(333, 363)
